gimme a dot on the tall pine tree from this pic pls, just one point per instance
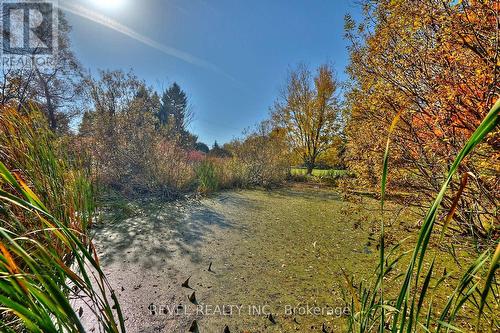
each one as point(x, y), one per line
point(174, 108)
point(174, 116)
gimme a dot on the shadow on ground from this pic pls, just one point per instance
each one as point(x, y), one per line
point(160, 232)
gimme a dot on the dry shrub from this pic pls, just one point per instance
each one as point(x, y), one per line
point(131, 155)
point(171, 167)
point(231, 172)
point(262, 159)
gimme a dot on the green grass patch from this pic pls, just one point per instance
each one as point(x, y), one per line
point(330, 173)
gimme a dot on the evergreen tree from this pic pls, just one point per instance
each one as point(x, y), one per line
point(174, 109)
point(218, 151)
point(200, 146)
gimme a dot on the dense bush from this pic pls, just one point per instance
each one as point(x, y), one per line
point(433, 65)
point(132, 152)
point(262, 158)
point(171, 167)
point(136, 158)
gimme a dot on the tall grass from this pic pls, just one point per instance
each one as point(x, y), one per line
point(477, 287)
point(208, 180)
point(53, 171)
point(46, 258)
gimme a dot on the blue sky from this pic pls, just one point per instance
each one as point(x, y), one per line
point(230, 56)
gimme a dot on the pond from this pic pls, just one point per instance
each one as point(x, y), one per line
point(247, 254)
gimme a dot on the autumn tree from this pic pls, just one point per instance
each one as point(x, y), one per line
point(118, 128)
point(435, 64)
point(54, 88)
point(308, 111)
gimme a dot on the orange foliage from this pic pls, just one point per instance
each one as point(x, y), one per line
point(439, 63)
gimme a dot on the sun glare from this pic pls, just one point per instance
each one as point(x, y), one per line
point(108, 4)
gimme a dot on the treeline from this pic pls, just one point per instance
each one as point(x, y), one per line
point(139, 143)
point(136, 139)
point(132, 138)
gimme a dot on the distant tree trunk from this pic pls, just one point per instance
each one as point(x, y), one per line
point(50, 111)
point(310, 163)
point(310, 168)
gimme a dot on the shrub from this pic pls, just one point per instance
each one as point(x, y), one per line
point(170, 169)
point(233, 173)
point(131, 155)
point(262, 159)
point(133, 150)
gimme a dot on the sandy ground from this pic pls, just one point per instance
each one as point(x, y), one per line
point(271, 252)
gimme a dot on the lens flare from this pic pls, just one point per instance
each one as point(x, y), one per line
point(108, 4)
